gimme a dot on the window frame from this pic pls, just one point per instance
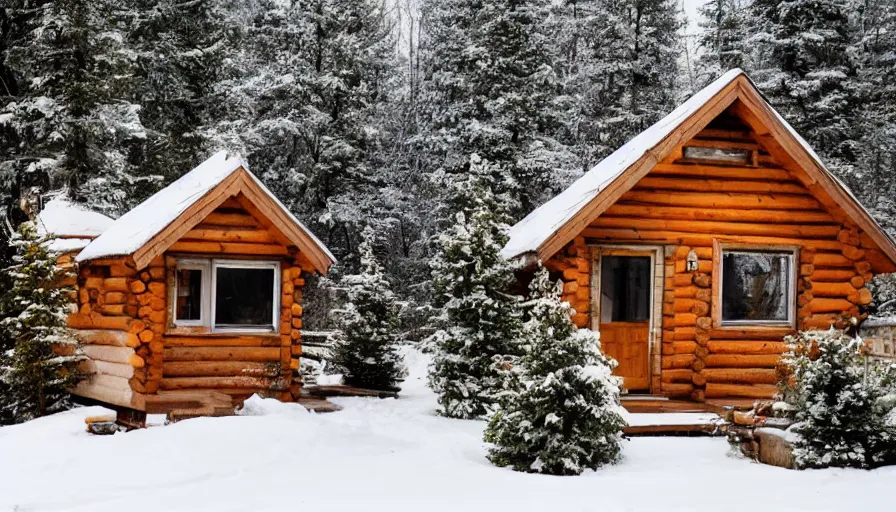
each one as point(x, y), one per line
point(203, 265)
point(719, 248)
point(252, 264)
point(209, 266)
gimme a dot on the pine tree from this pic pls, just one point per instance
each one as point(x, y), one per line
point(806, 70)
point(838, 401)
point(366, 347)
point(44, 361)
point(723, 39)
point(568, 417)
point(476, 331)
point(486, 89)
point(68, 118)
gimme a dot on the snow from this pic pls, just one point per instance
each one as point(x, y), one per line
point(133, 229)
point(391, 455)
point(531, 232)
point(671, 418)
point(64, 218)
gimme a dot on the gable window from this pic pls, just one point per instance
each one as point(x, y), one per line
point(227, 295)
point(727, 155)
point(757, 286)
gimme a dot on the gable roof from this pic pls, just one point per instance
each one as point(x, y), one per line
point(155, 224)
point(554, 224)
point(72, 225)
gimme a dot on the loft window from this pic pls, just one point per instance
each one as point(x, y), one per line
point(727, 155)
point(227, 295)
point(757, 287)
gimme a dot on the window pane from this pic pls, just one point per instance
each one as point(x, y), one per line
point(756, 286)
point(625, 289)
point(189, 294)
point(718, 154)
point(244, 296)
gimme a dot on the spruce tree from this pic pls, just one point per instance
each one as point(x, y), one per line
point(568, 416)
point(838, 401)
point(723, 39)
point(43, 363)
point(366, 346)
point(478, 319)
point(70, 117)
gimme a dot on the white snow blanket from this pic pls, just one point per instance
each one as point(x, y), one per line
point(77, 224)
point(382, 455)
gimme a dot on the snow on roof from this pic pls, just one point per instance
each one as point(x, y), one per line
point(63, 218)
point(133, 229)
point(531, 232)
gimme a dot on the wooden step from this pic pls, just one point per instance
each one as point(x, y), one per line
point(342, 390)
point(185, 404)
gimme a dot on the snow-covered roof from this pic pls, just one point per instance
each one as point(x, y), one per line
point(530, 234)
point(137, 227)
point(63, 218)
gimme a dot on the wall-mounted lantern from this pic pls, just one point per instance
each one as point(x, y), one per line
point(691, 265)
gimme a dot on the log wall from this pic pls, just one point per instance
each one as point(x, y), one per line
point(124, 322)
point(685, 205)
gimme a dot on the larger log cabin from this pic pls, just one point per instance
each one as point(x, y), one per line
point(193, 299)
point(697, 246)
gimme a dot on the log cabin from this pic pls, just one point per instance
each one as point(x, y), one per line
point(698, 245)
point(191, 301)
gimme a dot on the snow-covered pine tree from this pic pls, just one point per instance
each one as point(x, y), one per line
point(838, 402)
point(366, 346)
point(69, 117)
point(806, 69)
point(486, 90)
point(320, 70)
point(617, 70)
point(44, 361)
point(722, 42)
point(568, 417)
point(477, 328)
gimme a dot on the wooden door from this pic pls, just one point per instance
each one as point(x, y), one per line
point(625, 307)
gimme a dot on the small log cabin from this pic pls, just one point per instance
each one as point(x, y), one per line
point(697, 246)
point(193, 299)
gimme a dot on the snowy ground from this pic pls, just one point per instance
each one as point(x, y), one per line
point(383, 455)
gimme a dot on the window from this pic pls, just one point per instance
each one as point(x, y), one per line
point(227, 295)
point(728, 155)
point(757, 287)
point(625, 289)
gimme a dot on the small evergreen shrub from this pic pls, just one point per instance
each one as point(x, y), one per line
point(477, 325)
point(43, 362)
point(840, 403)
point(567, 417)
point(366, 346)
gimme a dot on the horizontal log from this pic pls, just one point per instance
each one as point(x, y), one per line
point(746, 347)
point(718, 200)
point(676, 389)
point(108, 353)
point(94, 320)
point(680, 375)
point(721, 185)
point(272, 340)
point(107, 337)
point(742, 360)
point(121, 396)
point(678, 361)
point(683, 347)
point(731, 228)
point(832, 260)
point(251, 235)
point(229, 219)
point(820, 322)
point(741, 375)
point(832, 275)
point(828, 305)
point(222, 353)
point(219, 369)
point(97, 366)
point(115, 284)
point(220, 382)
point(712, 171)
point(234, 248)
point(719, 390)
point(841, 289)
point(701, 239)
point(751, 334)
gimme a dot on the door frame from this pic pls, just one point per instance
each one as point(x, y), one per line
point(655, 326)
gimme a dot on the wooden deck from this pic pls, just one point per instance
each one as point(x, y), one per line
point(657, 404)
point(685, 418)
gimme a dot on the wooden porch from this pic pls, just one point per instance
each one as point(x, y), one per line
point(660, 416)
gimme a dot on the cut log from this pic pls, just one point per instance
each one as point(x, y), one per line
point(718, 390)
point(107, 337)
point(679, 375)
point(219, 369)
point(832, 260)
point(742, 360)
point(715, 200)
point(222, 353)
point(233, 234)
point(827, 305)
point(97, 366)
point(234, 248)
point(109, 353)
point(266, 340)
point(716, 214)
point(746, 347)
point(222, 382)
point(741, 375)
point(730, 228)
point(94, 320)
